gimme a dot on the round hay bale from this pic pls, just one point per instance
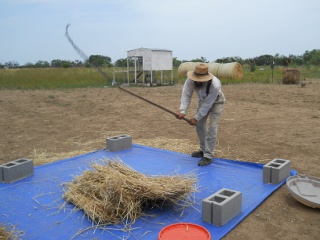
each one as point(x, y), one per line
point(226, 70)
point(185, 67)
point(220, 70)
point(290, 76)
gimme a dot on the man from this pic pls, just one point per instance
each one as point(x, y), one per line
point(210, 106)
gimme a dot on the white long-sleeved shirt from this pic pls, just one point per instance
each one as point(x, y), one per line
point(205, 101)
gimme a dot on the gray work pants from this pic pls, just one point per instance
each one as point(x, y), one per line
point(207, 127)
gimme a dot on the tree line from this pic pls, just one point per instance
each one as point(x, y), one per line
point(308, 58)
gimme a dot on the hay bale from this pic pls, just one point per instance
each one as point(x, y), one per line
point(226, 70)
point(185, 67)
point(220, 70)
point(290, 76)
point(113, 192)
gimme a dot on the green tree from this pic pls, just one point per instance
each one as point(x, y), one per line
point(77, 63)
point(201, 59)
point(230, 59)
point(42, 64)
point(252, 65)
point(99, 60)
point(286, 61)
point(66, 64)
point(278, 59)
point(11, 64)
point(56, 63)
point(297, 60)
point(122, 62)
point(29, 65)
point(176, 62)
point(263, 60)
point(312, 57)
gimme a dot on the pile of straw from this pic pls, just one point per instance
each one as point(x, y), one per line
point(4, 234)
point(112, 192)
point(175, 145)
point(220, 70)
point(290, 76)
point(9, 232)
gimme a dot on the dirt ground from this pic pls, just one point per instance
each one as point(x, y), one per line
point(259, 123)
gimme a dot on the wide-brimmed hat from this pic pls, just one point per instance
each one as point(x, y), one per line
point(200, 73)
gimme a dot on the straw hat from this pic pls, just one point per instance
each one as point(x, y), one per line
point(200, 73)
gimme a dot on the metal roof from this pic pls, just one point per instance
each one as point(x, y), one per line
point(151, 49)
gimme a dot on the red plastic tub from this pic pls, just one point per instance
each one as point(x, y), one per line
point(184, 231)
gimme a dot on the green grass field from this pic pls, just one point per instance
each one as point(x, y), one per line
point(62, 78)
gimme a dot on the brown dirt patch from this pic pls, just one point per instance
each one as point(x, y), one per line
point(260, 123)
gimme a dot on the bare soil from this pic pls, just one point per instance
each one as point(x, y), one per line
point(259, 123)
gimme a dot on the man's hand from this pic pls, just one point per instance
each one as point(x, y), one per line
point(193, 121)
point(180, 115)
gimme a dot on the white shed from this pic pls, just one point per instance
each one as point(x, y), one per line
point(145, 62)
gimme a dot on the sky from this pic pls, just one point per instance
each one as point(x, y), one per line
point(34, 30)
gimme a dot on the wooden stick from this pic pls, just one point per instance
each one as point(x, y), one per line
point(154, 104)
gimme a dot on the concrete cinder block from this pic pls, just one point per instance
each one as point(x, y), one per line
point(221, 207)
point(207, 209)
point(276, 171)
point(266, 173)
point(1, 175)
point(118, 143)
point(17, 169)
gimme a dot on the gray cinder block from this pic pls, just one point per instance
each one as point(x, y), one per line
point(17, 169)
point(118, 143)
point(221, 207)
point(1, 175)
point(207, 209)
point(276, 171)
point(266, 173)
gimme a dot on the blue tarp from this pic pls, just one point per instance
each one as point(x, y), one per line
point(35, 204)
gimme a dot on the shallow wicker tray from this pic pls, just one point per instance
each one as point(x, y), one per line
point(305, 189)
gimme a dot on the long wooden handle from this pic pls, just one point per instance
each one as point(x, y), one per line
point(154, 104)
